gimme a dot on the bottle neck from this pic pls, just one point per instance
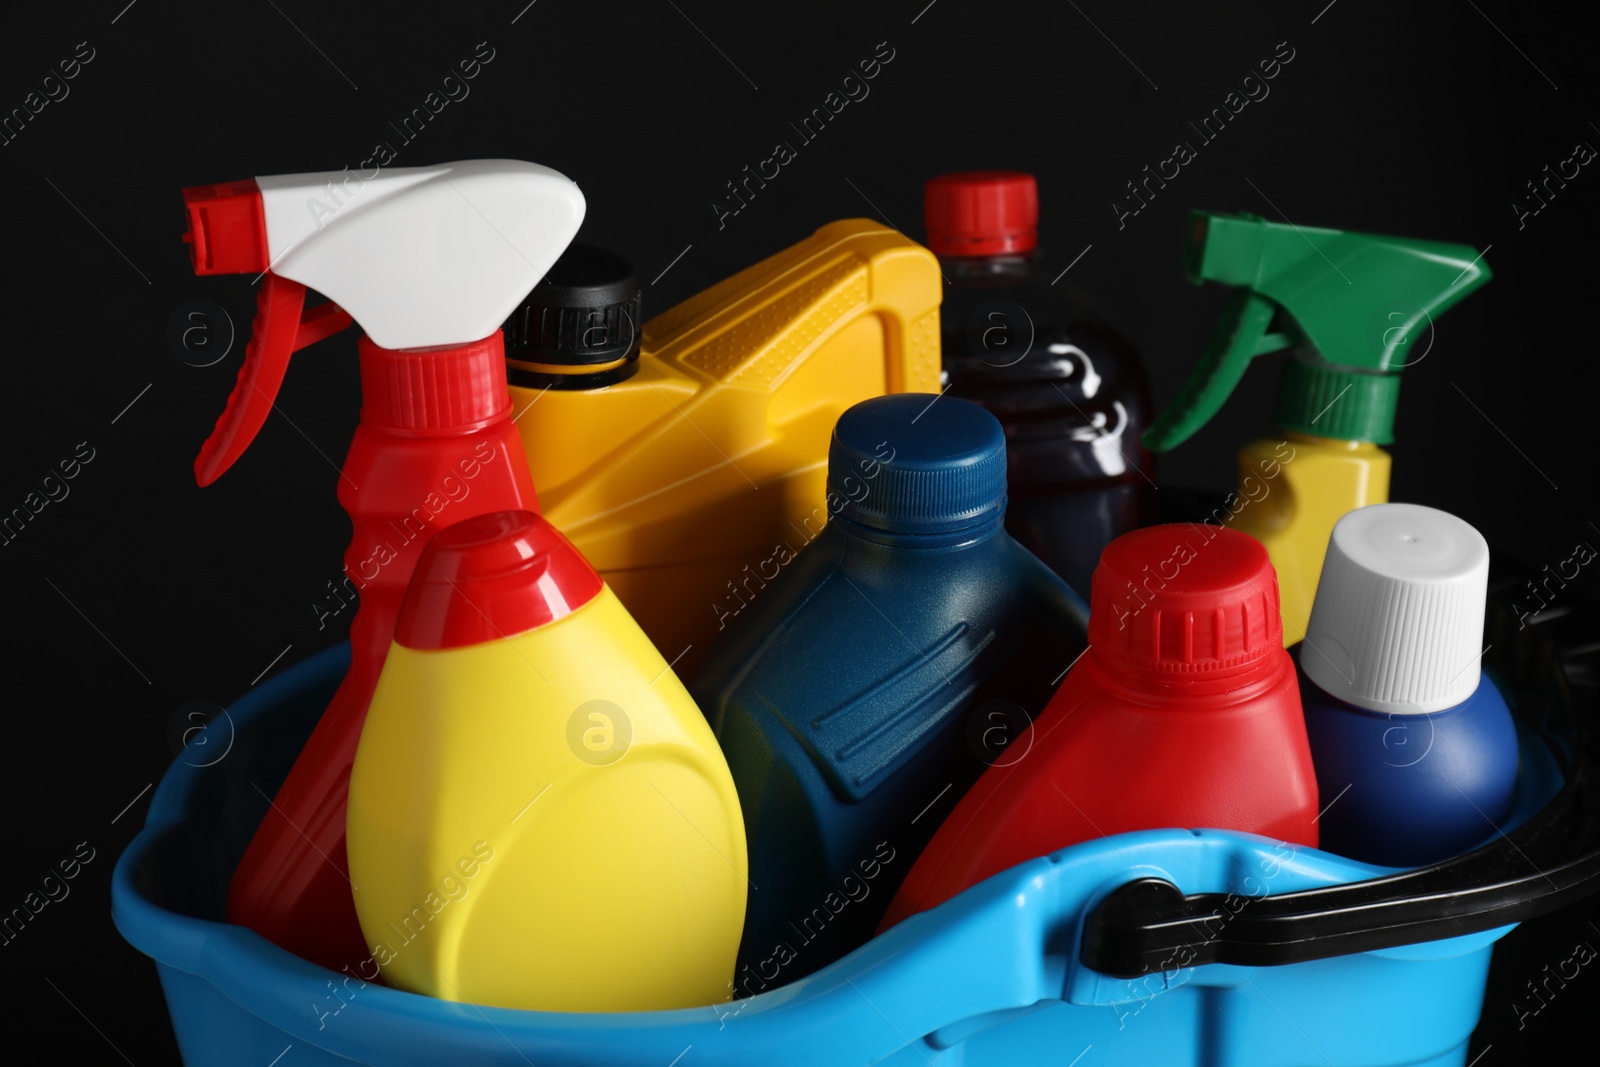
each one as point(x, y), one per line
point(969, 537)
point(1179, 689)
point(526, 374)
point(1313, 691)
point(1018, 266)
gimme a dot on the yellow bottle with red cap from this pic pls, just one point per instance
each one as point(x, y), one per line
point(681, 455)
point(539, 816)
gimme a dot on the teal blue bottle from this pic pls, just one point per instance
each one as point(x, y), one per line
point(894, 656)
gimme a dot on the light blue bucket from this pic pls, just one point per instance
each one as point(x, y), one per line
point(993, 976)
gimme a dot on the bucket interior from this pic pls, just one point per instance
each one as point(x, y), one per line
point(187, 868)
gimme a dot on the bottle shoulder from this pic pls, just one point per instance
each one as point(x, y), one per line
point(1414, 787)
point(860, 658)
point(1055, 372)
point(1485, 713)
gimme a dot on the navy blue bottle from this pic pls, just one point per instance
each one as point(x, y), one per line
point(1415, 749)
point(1420, 787)
point(860, 693)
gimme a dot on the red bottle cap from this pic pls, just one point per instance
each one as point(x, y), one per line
point(492, 576)
point(981, 213)
point(426, 391)
point(1185, 599)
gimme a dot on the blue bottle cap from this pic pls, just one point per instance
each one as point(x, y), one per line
point(917, 463)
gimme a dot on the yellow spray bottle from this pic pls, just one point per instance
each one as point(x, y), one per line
point(683, 457)
point(539, 816)
point(1352, 309)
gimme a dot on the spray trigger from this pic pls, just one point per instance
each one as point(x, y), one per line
point(278, 331)
point(412, 256)
point(1337, 297)
point(1242, 334)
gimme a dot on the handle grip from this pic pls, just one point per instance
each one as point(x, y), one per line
point(755, 329)
point(1540, 868)
point(1544, 864)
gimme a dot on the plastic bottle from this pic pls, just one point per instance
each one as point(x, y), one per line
point(678, 470)
point(1355, 310)
point(1184, 713)
point(892, 656)
point(1414, 741)
point(540, 817)
point(428, 261)
point(1069, 390)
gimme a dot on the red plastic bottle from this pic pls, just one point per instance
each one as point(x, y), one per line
point(1184, 712)
point(412, 469)
point(411, 256)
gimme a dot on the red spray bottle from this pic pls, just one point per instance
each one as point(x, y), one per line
point(429, 261)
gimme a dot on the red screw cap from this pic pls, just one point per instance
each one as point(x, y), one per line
point(1184, 599)
point(429, 391)
point(490, 577)
point(981, 213)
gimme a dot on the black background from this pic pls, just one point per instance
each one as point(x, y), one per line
point(139, 592)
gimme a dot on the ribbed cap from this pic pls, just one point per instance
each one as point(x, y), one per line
point(918, 463)
point(1398, 619)
point(1185, 599)
point(583, 318)
point(981, 213)
point(489, 577)
point(434, 390)
point(1346, 405)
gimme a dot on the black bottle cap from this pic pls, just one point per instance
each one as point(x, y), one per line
point(579, 328)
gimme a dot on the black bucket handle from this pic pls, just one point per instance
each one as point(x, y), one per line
point(1548, 862)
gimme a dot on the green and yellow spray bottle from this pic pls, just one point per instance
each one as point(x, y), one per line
point(1353, 309)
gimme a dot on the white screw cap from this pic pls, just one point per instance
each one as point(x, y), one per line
point(1398, 619)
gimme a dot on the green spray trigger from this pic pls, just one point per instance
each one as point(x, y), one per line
point(1349, 305)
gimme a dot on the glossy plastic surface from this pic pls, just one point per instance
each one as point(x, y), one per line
point(694, 475)
point(992, 979)
point(543, 819)
point(1071, 394)
point(398, 488)
point(492, 577)
point(1184, 712)
point(981, 213)
point(1292, 490)
point(1417, 788)
point(855, 696)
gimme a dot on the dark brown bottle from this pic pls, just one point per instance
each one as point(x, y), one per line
point(1068, 389)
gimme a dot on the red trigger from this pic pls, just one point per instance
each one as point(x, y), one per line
point(278, 331)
